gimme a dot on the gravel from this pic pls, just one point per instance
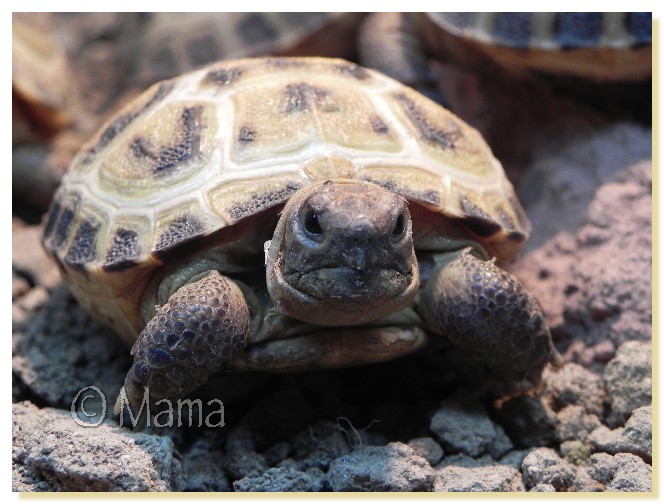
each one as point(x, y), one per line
point(407, 425)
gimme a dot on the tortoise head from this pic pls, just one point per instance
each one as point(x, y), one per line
point(342, 254)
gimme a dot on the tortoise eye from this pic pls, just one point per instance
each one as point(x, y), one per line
point(311, 223)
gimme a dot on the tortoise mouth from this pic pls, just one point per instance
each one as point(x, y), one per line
point(341, 295)
point(348, 284)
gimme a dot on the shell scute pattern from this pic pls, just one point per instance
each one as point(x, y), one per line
point(222, 144)
point(286, 117)
point(123, 249)
point(160, 153)
point(178, 231)
point(83, 247)
point(122, 121)
point(567, 30)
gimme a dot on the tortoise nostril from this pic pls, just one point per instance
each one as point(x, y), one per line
point(399, 225)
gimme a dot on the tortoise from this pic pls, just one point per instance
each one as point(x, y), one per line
point(595, 46)
point(287, 214)
point(175, 43)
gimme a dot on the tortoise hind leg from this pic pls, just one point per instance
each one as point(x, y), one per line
point(195, 334)
point(493, 323)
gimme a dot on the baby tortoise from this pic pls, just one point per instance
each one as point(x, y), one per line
point(289, 214)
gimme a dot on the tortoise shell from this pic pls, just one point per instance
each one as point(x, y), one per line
point(193, 158)
point(607, 47)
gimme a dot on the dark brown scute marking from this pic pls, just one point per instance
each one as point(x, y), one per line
point(166, 158)
point(51, 219)
point(82, 249)
point(298, 96)
point(477, 220)
point(246, 135)
point(352, 70)
point(427, 197)
point(378, 125)
point(254, 29)
point(179, 230)
point(202, 50)
point(63, 227)
point(120, 123)
point(123, 252)
point(263, 201)
point(431, 133)
point(224, 76)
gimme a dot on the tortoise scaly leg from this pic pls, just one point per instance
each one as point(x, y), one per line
point(494, 324)
point(195, 334)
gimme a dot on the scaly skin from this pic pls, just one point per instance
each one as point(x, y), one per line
point(196, 333)
point(490, 318)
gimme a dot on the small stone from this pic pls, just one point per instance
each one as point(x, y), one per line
point(391, 468)
point(575, 385)
point(463, 427)
point(575, 423)
point(501, 443)
point(583, 482)
point(426, 447)
point(514, 458)
point(543, 487)
point(242, 463)
point(493, 478)
point(48, 447)
point(635, 437)
point(622, 472)
point(543, 465)
point(638, 432)
point(461, 460)
point(281, 479)
point(202, 470)
point(628, 380)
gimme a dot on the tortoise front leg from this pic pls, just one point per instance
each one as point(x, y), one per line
point(195, 334)
point(494, 324)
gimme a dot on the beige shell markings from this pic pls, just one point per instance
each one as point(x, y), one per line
point(194, 160)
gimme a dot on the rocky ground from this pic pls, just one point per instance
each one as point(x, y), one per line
point(409, 425)
point(402, 426)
